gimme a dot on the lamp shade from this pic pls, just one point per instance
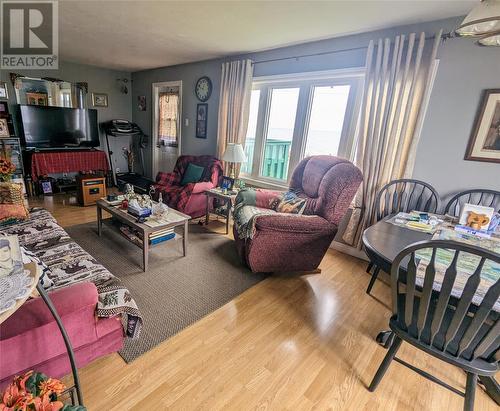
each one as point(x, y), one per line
point(234, 153)
point(482, 20)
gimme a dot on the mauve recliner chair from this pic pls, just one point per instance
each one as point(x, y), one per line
point(291, 242)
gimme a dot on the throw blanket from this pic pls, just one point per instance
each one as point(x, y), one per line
point(68, 264)
point(249, 204)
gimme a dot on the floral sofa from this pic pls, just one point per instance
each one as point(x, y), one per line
point(97, 311)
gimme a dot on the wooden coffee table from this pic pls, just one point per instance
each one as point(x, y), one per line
point(177, 218)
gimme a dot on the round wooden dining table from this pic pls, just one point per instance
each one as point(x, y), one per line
point(383, 241)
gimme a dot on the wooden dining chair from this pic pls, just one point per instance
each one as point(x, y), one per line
point(483, 197)
point(452, 326)
point(403, 195)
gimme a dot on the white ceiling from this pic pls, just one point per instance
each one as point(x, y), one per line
point(137, 35)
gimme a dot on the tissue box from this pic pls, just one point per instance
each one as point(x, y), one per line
point(138, 211)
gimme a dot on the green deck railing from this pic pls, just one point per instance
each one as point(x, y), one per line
point(276, 158)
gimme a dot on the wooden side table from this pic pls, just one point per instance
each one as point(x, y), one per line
point(227, 199)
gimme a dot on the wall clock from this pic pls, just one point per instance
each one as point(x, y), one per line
point(203, 88)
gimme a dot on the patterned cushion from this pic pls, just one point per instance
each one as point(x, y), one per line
point(12, 208)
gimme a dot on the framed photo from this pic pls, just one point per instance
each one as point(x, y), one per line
point(4, 108)
point(476, 216)
point(37, 99)
point(227, 183)
point(141, 103)
point(4, 128)
point(4, 93)
point(484, 143)
point(46, 187)
point(99, 100)
point(201, 120)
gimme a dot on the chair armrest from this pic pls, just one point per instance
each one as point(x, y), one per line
point(295, 223)
point(34, 313)
point(202, 186)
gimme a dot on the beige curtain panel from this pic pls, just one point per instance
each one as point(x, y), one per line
point(168, 118)
point(234, 103)
point(398, 79)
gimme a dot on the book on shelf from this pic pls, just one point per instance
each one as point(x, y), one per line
point(162, 239)
point(161, 233)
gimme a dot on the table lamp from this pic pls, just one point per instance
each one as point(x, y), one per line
point(234, 154)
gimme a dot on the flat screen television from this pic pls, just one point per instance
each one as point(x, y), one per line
point(59, 127)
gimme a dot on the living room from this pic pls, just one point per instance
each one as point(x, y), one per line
point(242, 204)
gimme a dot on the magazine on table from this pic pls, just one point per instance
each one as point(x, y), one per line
point(15, 281)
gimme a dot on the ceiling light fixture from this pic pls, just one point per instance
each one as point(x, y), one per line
point(492, 39)
point(483, 20)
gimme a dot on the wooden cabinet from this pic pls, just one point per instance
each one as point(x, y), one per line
point(90, 188)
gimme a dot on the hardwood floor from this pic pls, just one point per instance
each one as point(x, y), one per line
point(295, 343)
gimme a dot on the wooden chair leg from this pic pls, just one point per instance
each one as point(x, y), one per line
point(373, 279)
point(385, 363)
point(470, 391)
point(369, 267)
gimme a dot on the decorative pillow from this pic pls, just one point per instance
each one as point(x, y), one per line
point(12, 207)
point(11, 193)
point(192, 174)
point(290, 202)
point(29, 257)
point(12, 213)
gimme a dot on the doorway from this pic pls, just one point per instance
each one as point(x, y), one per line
point(167, 115)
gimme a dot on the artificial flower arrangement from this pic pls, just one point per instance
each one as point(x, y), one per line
point(7, 168)
point(35, 391)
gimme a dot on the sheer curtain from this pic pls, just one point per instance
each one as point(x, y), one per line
point(398, 78)
point(168, 118)
point(234, 103)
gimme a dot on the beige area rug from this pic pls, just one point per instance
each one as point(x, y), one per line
point(175, 291)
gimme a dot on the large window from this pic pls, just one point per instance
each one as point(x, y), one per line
point(294, 117)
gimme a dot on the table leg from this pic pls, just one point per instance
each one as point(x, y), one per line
point(66, 339)
point(145, 250)
point(207, 215)
point(185, 238)
point(99, 220)
point(228, 214)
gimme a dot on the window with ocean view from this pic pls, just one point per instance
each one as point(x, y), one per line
point(293, 118)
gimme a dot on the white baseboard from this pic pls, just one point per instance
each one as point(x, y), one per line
point(347, 249)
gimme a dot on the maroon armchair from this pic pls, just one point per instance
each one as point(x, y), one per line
point(190, 198)
point(292, 242)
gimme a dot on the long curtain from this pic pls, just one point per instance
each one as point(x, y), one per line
point(234, 103)
point(397, 83)
point(168, 118)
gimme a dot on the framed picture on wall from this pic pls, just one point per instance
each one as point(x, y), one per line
point(4, 128)
point(141, 103)
point(4, 94)
point(484, 143)
point(99, 100)
point(201, 120)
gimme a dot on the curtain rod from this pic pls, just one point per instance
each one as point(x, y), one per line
point(444, 36)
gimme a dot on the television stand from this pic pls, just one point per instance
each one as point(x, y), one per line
point(140, 183)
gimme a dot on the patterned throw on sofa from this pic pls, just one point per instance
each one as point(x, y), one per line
point(68, 264)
